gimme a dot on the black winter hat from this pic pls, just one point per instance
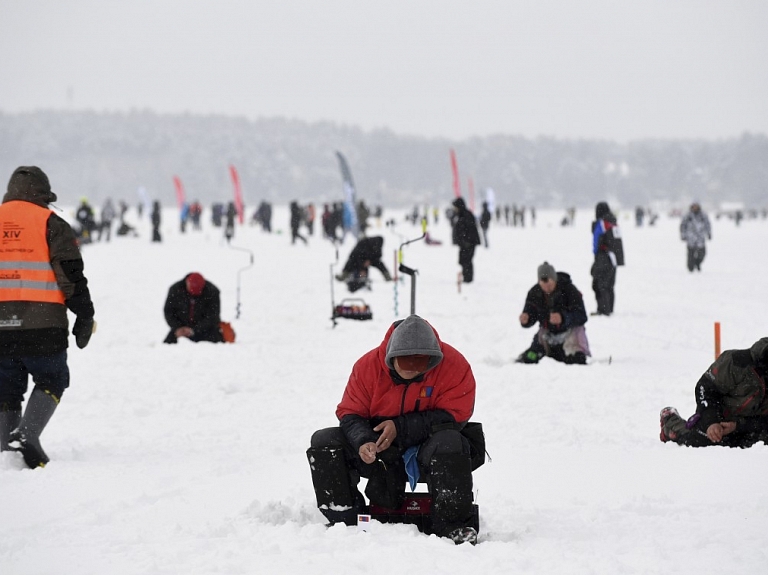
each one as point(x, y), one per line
point(30, 181)
point(459, 204)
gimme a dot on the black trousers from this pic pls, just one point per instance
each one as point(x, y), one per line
point(49, 372)
point(444, 464)
point(603, 282)
point(466, 253)
point(695, 257)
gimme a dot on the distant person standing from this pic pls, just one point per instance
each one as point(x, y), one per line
point(608, 250)
point(695, 230)
point(107, 216)
point(466, 236)
point(156, 219)
point(485, 221)
point(296, 218)
point(43, 279)
point(311, 219)
point(229, 226)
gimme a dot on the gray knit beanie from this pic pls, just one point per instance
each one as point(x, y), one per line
point(413, 336)
point(546, 270)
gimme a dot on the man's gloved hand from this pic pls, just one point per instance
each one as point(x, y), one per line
point(83, 330)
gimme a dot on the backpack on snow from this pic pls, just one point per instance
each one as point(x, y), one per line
point(227, 332)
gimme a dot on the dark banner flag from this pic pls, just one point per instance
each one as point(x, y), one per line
point(350, 212)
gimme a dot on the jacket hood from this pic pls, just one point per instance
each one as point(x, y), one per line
point(459, 204)
point(411, 336)
point(563, 278)
point(602, 210)
point(30, 184)
point(759, 351)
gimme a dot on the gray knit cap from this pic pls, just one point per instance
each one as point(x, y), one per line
point(413, 336)
point(546, 270)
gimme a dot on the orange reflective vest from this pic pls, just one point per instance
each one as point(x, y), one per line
point(25, 263)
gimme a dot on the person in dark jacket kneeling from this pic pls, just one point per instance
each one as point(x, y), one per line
point(409, 398)
point(192, 310)
point(731, 403)
point(366, 253)
point(558, 307)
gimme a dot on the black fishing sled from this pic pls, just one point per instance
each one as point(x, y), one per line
point(348, 308)
point(416, 511)
point(417, 506)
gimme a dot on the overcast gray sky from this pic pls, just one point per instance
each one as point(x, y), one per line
point(621, 69)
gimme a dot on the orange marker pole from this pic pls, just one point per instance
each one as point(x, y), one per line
point(717, 339)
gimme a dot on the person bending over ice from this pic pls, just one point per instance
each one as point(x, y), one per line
point(412, 392)
point(192, 310)
point(558, 307)
point(731, 403)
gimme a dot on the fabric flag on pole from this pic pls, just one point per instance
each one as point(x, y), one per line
point(471, 196)
point(144, 199)
point(455, 168)
point(238, 194)
point(351, 223)
point(490, 197)
point(179, 191)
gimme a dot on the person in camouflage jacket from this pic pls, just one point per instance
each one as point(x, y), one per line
point(695, 230)
point(731, 403)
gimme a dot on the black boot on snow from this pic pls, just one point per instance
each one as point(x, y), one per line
point(463, 535)
point(9, 420)
point(26, 438)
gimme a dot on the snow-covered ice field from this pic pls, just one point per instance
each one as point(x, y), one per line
point(190, 459)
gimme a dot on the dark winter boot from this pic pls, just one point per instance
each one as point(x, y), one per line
point(450, 483)
point(26, 438)
point(529, 356)
point(9, 420)
point(337, 498)
point(577, 358)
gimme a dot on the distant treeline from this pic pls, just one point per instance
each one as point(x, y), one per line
point(100, 155)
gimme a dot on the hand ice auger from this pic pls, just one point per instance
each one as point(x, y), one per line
point(250, 265)
point(409, 271)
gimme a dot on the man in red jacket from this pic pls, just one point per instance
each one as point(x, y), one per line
point(413, 392)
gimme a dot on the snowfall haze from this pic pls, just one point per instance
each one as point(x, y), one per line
point(191, 458)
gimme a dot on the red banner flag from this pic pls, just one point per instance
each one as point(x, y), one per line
point(238, 194)
point(179, 191)
point(455, 168)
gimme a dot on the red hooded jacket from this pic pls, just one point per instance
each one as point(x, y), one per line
point(372, 394)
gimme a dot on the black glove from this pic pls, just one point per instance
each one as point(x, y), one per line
point(83, 330)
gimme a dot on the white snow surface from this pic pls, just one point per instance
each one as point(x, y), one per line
point(190, 459)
